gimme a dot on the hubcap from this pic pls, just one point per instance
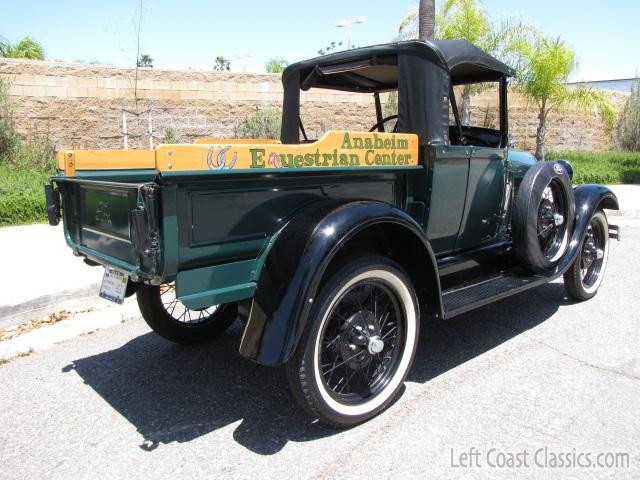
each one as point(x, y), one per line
point(558, 219)
point(376, 345)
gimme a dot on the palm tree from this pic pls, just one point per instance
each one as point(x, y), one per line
point(546, 67)
point(26, 48)
point(221, 64)
point(145, 61)
point(426, 19)
point(276, 65)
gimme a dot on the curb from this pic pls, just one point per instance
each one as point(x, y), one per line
point(78, 324)
point(40, 307)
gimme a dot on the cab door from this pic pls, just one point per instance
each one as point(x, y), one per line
point(449, 171)
point(483, 126)
point(484, 198)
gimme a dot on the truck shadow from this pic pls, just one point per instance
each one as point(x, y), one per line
point(176, 394)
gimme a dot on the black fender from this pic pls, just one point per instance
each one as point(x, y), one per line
point(294, 266)
point(589, 199)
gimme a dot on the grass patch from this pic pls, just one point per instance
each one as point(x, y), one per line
point(602, 167)
point(25, 164)
point(22, 196)
point(3, 361)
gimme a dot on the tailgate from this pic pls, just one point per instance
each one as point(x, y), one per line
point(113, 223)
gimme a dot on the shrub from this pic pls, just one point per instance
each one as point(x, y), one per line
point(171, 135)
point(264, 124)
point(602, 167)
point(629, 125)
point(22, 196)
point(35, 152)
point(25, 166)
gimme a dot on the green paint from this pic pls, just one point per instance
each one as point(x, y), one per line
point(203, 287)
point(219, 296)
point(257, 157)
point(274, 171)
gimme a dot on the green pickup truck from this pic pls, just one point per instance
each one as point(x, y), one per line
point(335, 252)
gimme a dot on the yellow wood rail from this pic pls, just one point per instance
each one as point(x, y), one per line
point(334, 150)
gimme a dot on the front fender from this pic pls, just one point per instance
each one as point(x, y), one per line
point(294, 266)
point(589, 199)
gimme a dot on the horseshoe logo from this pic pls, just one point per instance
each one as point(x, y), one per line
point(220, 162)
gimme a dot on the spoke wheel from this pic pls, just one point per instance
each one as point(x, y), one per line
point(592, 255)
point(179, 312)
point(170, 318)
point(361, 342)
point(584, 277)
point(359, 345)
point(552, 230)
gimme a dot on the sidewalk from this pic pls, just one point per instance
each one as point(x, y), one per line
point(41, 275)
point(629, 213)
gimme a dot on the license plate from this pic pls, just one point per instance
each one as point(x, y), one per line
point(114, 285)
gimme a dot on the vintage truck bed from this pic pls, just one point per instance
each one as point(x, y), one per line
point(203, 214)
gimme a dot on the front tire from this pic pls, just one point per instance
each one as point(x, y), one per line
point(171, 319)
point(584, 277)
point(359, 343)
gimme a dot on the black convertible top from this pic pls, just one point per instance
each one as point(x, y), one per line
point(372, 68)
point(423, 72)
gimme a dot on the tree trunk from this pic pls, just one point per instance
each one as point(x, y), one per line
point(426, 19)
point(465, 106)
point(541, 133)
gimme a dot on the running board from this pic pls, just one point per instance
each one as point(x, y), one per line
point(468, 297)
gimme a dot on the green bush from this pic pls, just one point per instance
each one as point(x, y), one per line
point(629, 124)
point(171, 136)
point(22, 196)
point(25, 166)
point(264, 124)
point(602, 167)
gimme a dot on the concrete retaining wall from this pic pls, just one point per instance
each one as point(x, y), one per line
point(80, 106)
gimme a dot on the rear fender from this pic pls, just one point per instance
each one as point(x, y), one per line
point(589, 199)
point(294, 266)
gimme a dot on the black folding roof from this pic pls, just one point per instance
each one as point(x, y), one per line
point(422, 72)
point(375, 68)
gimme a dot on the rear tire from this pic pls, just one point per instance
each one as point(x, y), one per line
point(584, 277)
point(543, 214)
point(359, 343)
point(169, 318)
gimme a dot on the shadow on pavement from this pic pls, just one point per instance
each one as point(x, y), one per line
point(176, 394)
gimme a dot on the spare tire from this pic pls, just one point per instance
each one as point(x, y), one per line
point(543, 213)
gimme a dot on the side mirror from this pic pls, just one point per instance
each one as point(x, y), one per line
point(511, 141)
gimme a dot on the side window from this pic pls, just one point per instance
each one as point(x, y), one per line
point(479, 104)
point(347, 111)
point(479, 110)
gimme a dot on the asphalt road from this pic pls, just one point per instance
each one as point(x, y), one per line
point(531, 372)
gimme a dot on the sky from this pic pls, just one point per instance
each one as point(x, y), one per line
point(191, 33)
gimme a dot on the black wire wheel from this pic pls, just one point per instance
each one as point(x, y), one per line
point(584, 277)
point(169, 317)
point(551, 230)
point(359, 344)
point(543, 215)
